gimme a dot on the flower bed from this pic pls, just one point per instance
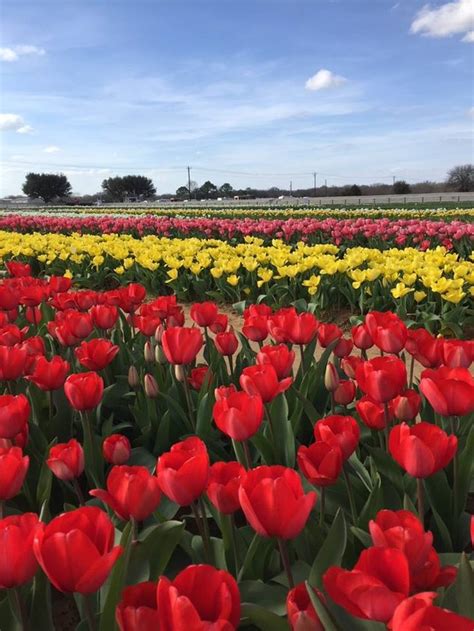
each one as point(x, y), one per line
point(159, 475)
point(375, 233)
point(431, 286)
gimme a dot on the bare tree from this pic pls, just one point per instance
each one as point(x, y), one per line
point(461, 178)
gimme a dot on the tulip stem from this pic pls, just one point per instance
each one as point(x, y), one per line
point(302, 366)
point(233, 532)
point(78, 492)
point(88, 444)
point(285, 559)
point(2, 507)
point(199, 519)
point(187, 394)
point(322, 506)
point(50, 407)
point(248, 459)
point(453, 423)
point(386, 414)
point(20, 609)
point(351, 495)
point(231, 367)
point(420, 499)
point(412, 371)
point(205, 529)
point(88, 610)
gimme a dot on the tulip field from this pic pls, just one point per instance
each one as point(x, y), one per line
point(304, 465)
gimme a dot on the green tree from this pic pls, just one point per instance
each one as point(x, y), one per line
point(207, 191)
point(401, 187)
point(226, 189)
point(182, 192)
point(123, 188)
point(46, 186)
point(461, 178)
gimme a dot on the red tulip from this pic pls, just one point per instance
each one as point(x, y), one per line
point(431, 575)
point(49, 375)
point(14, 414)
point(328, 333)
point(279, 356)
point(183, 471)
point(85, 299)
point(302, 328)
point(331, 377)
point(13, 468)
point(422, 449)
point(138, 608)
point(204, 313)
point(223, 486)
point(76, 550)
point(9, 298)
point(320, 463)
point(96, 354)
point(407, 405)
point(274, 502)
point(238, 414)
point(457, 353)
point(344, 393)
point(344, 347)
point(382, 378)
point(131, 296)
point(220, 323)
point(78, 324)
point(260, 310)
point(199, 598)
point(372, 413)
point(224, 391)
point(116, 449)
point(450, 391)
point(424, 347)
point(379, 582)
point(263, 380)
point(361, 337)
point(84, 390)
point(280, 323)
point(32, 296)
point(59, 284)
point(401, 529)
point(255, 328)
point(387, 330)
point(11, 335)
point(66, 460)
point(150, 386)
point(301, 613)
point(18, 564)
point(132, 492)
point(349, 365)
point(181, 344)
point(12, 362)
point(146, 324)
point(199, 377)
point(338, 431)
point(104, 316)
point(226, 343)
point(163, 306)
point(17, 269)
point(418, 613)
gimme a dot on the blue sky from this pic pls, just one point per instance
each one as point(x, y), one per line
point(357, 90)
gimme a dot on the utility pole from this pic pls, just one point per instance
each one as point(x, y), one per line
point(314, 180)
point(325, 183)
point(189, 181)
point(393, 177)
point(291, 188)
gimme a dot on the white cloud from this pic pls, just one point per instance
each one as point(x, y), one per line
point(323, 80)
point(470, 112)
point(14, 53)
point(51, 149)
point(14, 122)
point(449, 19)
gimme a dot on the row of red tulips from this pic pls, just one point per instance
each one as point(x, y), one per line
point(172, 483)
point(421, 233)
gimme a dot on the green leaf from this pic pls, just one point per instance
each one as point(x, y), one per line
point(442, 530)
point(271, 597)
point(464, 587)
point(113, 587)
point(362, 535)
point(332, 550)
point(465, 472)
point(361, 471)
point(282, 431)
point(204, 416)
point(372, 506)
point(156, 546)
point(262, 618)
point(323, 614)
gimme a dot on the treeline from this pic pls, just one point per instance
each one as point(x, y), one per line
point(55, 188)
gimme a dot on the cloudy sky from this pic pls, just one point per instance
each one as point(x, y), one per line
point(251, 92)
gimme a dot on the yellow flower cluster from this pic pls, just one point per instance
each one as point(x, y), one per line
point(399, 271)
